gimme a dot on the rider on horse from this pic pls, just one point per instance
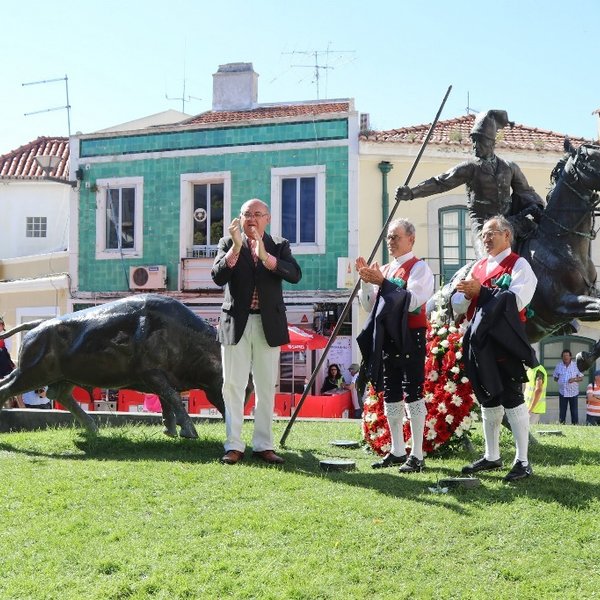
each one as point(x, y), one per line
point(489, 180)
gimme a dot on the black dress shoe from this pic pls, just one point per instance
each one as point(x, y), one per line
point(412, 465)
point(482, 464)
point(519, 471)
point(389, 460)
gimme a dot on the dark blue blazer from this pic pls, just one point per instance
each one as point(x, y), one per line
point(239, 284)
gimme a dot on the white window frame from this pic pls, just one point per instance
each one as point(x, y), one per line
point(186, 203)
point(119, 182)
point(319, 173)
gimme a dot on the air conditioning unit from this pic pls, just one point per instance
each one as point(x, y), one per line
point(152, 277)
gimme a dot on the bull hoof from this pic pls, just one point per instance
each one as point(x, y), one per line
point(189, 433)
point(584, 361)
point(170, 428)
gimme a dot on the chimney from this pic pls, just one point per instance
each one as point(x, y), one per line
point(235, 87)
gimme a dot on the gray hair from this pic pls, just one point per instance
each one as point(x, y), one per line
point(408, 227)
point(503, 225)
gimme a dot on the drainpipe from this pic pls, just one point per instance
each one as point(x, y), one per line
point(385, 167)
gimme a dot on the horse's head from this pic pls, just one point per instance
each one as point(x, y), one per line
point(584, 167)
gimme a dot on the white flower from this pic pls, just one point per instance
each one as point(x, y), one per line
point(431, 434)
point(449, 419)
point(442, 331)
point(474, 416)
point(445, 343)
point(428, 397)
point(452, 329)
point(450, 387)
point(386, 448)
point(435, 350)
point(442, 407)
point(433, 376)
point(370, 417)
point(455, 369)
point(458, 355)
point(456, 400)
point(431, 422)
point(464, 379)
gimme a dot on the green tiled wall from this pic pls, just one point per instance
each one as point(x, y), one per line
point(250, 177)
point(214, 138)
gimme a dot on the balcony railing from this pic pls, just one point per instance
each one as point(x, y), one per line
point(196, 268)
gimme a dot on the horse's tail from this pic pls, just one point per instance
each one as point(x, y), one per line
point(23, 327)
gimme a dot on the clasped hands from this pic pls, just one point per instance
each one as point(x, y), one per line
point(369, 273)
point(469, 287)
point(235, 231)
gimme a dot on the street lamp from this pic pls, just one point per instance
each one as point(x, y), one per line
point(48, 163)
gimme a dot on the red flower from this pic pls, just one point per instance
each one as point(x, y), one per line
point(448, 395)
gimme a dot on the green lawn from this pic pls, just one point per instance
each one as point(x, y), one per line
point(133, 514)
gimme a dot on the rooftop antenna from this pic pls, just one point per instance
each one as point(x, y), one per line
point(468, 108)
point(183, 97)
point(317, 67)
point(68, 106)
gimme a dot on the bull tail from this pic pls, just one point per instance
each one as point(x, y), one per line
point(23, 327)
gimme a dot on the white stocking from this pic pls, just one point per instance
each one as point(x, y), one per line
point(518, 418)
point(417, 411)
point(492, 421)
point(394, 412)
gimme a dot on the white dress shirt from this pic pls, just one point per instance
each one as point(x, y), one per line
point(419, 284)
point(522, 285)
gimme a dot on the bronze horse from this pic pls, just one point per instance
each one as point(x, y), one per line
point(560, 252)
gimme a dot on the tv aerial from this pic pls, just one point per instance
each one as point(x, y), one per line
point(67, 106)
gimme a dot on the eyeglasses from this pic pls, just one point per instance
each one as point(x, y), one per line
point(392, 237)
point(256, 215)
point(488, 235)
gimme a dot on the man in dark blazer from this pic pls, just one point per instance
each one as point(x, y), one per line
point(251, 266)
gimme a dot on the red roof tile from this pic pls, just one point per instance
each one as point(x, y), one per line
point(21, 163)
point(455, 132)
point(269, 112)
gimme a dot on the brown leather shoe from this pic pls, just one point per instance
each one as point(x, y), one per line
point(269, 457)
point(232, 457)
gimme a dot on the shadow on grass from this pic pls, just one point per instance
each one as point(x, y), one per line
point(121, 446)
point(546, 486)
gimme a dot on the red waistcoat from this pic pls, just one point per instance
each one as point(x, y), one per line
point(416, 319)
point(505, 267)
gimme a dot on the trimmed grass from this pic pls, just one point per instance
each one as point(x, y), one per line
point(133, 514)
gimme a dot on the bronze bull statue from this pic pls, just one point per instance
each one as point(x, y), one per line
point(149, 343)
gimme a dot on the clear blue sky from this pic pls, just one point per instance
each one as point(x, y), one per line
point(537, 60)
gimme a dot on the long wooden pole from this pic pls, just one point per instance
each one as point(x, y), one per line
point(382, 234)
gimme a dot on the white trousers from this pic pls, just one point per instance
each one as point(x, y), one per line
point(253, 355)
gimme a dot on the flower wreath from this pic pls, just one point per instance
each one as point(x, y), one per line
point(447, 392)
